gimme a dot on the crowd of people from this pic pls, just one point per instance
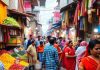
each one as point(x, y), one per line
point(61, 54)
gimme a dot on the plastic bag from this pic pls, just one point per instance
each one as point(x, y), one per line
point(1, 66)
point(38, 65)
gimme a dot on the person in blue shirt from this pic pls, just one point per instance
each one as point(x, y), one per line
point(50, 56)
point(38, 41)
point(28, 42)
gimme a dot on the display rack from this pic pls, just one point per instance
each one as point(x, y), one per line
point(11, 36)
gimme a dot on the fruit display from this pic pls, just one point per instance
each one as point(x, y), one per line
point(12, 40)
point(21, 53)
point(14, 55)
point(24, 57)
point(24, 63)
point(11, 21)
point(16, 67)
point(7, 60)
point(3, 51)
point(19, 40)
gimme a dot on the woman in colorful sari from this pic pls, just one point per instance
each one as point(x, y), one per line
point(80, 52)
point(69, 58)
point(91, 62)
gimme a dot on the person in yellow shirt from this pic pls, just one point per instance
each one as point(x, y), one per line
point(32, 55)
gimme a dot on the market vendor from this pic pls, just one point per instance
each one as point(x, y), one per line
point(32, 55)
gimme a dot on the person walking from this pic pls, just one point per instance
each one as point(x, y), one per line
point(32, 55)
point(40, 50)
point(50, 56)
point(69, 57)
point(80, 52)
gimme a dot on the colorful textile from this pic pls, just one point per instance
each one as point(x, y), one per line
point(88, 63)
point(77, 14)
point(50, 57)
point(83, 43)
point(80, 52)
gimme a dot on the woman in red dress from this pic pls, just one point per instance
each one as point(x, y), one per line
point(91, 62)
point(69, 59)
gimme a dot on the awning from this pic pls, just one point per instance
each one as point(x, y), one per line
point(19, 13)
point(69, 6)
point(57, 25)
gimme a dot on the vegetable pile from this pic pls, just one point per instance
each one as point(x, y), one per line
point(11, 21)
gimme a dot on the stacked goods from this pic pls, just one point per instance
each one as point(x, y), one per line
point(12, 41)
point(19, 40)
point(7, 60)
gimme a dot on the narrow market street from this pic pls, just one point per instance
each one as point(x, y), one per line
point(49, 34)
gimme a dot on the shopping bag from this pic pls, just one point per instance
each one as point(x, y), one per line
point(38, 65)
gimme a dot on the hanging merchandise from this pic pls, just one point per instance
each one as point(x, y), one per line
point(90, 3)
point(3, 12)
point(77, 14)
point(1, 36)
point(90, 18)
point(63, 16)
point(6, 35)
point(97, 11)
point(67, 18)
point(85, 24)
point(81, 23)
point(82, 7)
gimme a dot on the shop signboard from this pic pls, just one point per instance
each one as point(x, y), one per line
point(27, 5)
point(57, 17)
